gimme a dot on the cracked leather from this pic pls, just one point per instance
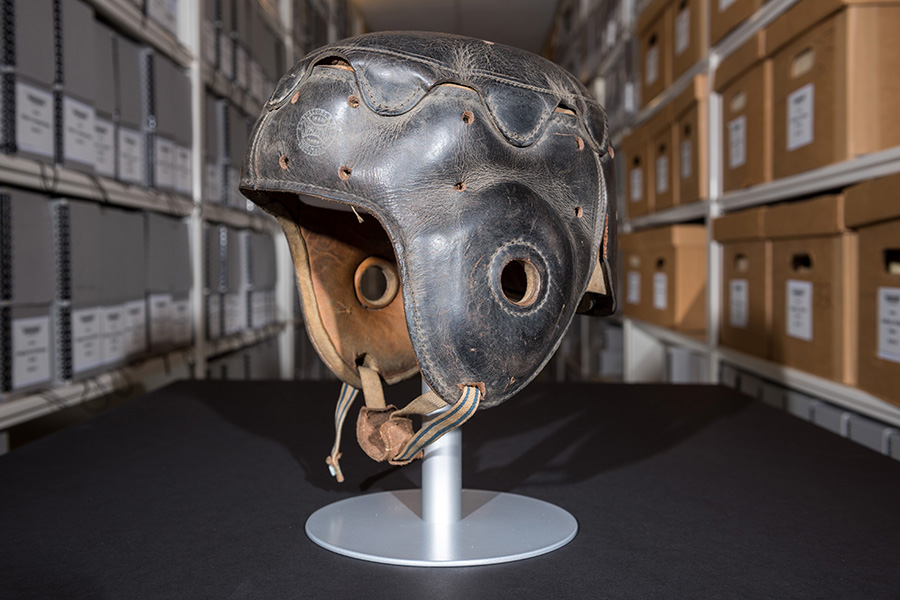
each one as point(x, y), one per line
point(463, 178)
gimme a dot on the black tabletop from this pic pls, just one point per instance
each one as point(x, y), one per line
point(202, 489)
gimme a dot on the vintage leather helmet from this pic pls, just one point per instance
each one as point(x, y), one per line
point(449, 207)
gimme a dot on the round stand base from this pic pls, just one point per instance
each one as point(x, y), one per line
point(387, 527)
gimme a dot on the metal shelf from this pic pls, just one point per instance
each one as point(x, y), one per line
point(241, 220)
point(837, 393)
point(128, 18)
point(239, 341)
point(856, 170)
point(676, 214)
point(225, 88)
point(694, 342)
point(762, 18)
point(147, 375)
point(60, 181)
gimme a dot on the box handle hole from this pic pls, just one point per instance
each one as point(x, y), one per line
point(802, 262)
point(741, 263)
point(660, 264)
point(892, 261)
point(803, 62)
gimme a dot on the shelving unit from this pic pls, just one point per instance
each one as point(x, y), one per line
point(155, 371)
point(645, 345)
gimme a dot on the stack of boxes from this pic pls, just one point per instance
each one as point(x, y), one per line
point(27, 291)
point(815, 285)
point(665, 276)
point(73, 97)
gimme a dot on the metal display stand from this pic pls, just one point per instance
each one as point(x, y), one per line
point(441, 525)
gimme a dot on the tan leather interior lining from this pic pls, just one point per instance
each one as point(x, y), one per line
point(326, 251)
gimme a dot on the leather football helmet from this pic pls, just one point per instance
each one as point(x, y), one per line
point(449, 207)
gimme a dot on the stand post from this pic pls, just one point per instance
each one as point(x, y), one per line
point(442, 476)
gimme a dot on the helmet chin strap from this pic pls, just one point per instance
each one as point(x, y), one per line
point(384, 432)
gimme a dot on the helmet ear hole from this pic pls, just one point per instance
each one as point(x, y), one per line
point(520, 282)
point(376, 283)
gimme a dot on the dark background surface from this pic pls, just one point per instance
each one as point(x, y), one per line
point(202, 489)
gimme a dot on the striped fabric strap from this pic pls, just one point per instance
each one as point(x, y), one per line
point(444, 423)
point(348, 395)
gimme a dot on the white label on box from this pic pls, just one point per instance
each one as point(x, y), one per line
point(258, 309)
point(160, 319)
point(611, 31)
point(131, 156)
point(226, 55)
point(687, 159)
point(163, 164)
point(637, 185)
point(651, 65)
point(800, 123)
point(235, 313)
point(739, 303)
point(30, 351)
point(737, 142)
point(662, 174)
point(182, 333)
point(182, 170)
point(112, 334)
point(213, 316)
point(800, 309)
point(235, 198)
point(135, 327)
point(682, 31)
point(725, 4)
point(86, 350)
point(240, 75)
point(634, 288)
point(34, 120)
point(213, 191)
point(164, 12)
point(660, 291)
point(889, 323)
point(105, 147)
point(208, 41)
point(79, 132)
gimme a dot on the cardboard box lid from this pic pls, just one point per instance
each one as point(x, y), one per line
point(820, 216)
point(741, 60)
point(86, 252)
point(130, 102)
point(650, 14)
point(34, 40)
point(78, 73)
point(695, 92)
point(104, 63)
point(742, 225)
point(635, 139)
point(661, 122)
point(669, 236)
point(872, 202)
point(804, 15)
point(31, 264)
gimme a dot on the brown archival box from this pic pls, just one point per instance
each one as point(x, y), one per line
point(835, 86)
point(746, 316)
point(654, 29)
point(744, 80)
point(874, 206)
point(814, 299)
point(690, 142)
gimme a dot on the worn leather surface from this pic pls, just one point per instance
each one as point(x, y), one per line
point(459, 150)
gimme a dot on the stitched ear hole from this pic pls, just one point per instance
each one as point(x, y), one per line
point(353, 101)
point(376, 283)
point(520, 282)
point(344, 173)
point(468, 117)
